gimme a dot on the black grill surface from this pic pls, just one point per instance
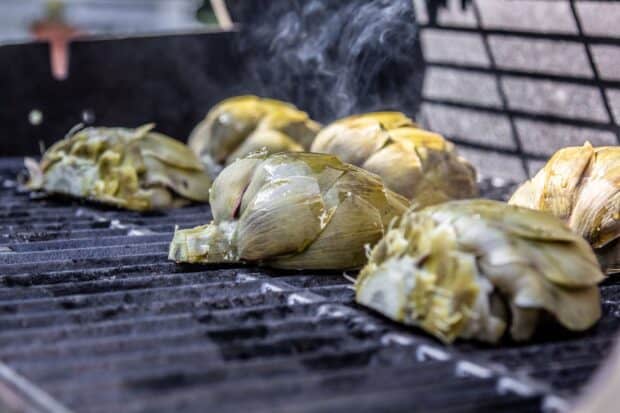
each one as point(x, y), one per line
point(93, 314)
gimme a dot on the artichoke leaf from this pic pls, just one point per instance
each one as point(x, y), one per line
point(261, 140)
point(346, 230)
point(283, 218)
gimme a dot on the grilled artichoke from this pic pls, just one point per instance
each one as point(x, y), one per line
point(415, 163)
point(581, 185)
point(291, 210)
point(241, 125)
point(469, 268)
point(136, 169)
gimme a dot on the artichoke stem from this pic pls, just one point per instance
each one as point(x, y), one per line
point(211, 243)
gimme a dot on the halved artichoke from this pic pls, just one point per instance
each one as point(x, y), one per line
point(241, 125)
point(291, 210)
point(581, 185)
point(470, 268)
point(415, 163)
point(137, 169)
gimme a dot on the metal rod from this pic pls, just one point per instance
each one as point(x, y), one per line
point(221, 14)
point(19, 395)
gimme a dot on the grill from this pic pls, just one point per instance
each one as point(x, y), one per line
point(93, 317)
point(94, 314)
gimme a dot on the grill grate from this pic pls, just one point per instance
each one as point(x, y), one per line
point(92, 312)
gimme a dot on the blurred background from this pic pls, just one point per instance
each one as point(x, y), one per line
point(104, 17)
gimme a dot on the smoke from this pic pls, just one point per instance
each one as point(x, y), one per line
point(332, 57)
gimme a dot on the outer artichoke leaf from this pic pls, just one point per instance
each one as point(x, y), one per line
point(270, 140)
point(351, 145)
point(562, 174)
point(526, 223)
point(341, 243)
point(400, 169)
point(229, 187)
point(284, 217)
point(388, 119)
point(271, 169)
point(190, 184)
point(576, 309)
point(596, 214)
point(567, 264)
point(527, 194)
point(292, 122)
point(412, 137)
point(170, 151)
point(370, 188)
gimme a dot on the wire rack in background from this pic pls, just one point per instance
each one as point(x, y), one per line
point(512, 81)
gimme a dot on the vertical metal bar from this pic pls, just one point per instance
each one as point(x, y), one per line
point(221, 14)
point(500, 89)
point(615, 127)
point(18, 395)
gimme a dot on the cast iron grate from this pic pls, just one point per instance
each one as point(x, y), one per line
point(93, 314)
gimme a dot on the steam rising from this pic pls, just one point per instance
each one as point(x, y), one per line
point(332, 57)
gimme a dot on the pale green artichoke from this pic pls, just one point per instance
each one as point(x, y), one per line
point(129, 168)
point(581, 185)
point(291, 210)
point(241, 125)
point(475, 268)
point(413, 162)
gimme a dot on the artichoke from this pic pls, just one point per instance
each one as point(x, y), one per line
point(415, 163)
point(241, 125)
point(470, 268)
point(137, 169)
point(291, 210)
point(581, 185)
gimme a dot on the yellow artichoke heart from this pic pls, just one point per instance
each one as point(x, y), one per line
point(581, 185)
point(136, 169)
point(413, 162)
point(240, 125)
point(477, 268)
point(291, 210)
